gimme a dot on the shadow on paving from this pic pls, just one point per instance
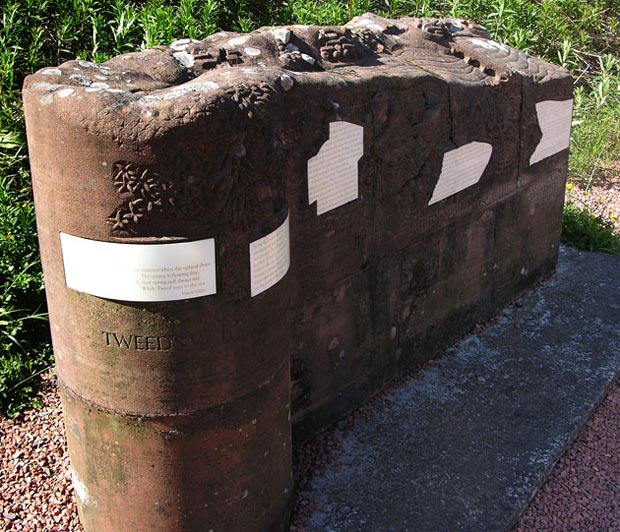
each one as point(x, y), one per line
point(466, 444)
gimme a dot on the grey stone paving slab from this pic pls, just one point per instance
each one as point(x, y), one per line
point(465, 446)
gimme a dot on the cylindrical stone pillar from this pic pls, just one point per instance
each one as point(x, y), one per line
point(165, 259)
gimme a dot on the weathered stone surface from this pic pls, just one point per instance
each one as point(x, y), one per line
point(349, 286)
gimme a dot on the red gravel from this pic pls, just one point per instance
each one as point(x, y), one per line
point(35, 484)
point(581, 494)
point(602, 197)
point(583, 491)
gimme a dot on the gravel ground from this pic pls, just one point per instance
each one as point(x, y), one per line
point(35, 484)
point(601, 197)
point(583, 491)
point(581, 494)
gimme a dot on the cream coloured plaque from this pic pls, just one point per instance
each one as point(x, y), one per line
point(461, 168)
point(554, 119)
point(139, 272)
point(270, 258)
point(332, 173)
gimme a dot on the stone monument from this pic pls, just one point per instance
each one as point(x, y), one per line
point(255, 232)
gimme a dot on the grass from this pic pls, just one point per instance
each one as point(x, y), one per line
point(582, 36)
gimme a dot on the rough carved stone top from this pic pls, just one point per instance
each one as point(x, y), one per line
point(456, 49)
point(228, 83)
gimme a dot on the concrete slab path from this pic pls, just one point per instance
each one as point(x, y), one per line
point(465, 444)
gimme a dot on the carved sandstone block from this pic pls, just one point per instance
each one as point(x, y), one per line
point(253, 231)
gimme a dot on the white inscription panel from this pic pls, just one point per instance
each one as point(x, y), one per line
point(139, 272)
point(332, 173)
point(461, 168)
point(270, 258)
point(554, 119)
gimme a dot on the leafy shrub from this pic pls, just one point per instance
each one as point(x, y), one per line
point(583, 230)
point(24, 342)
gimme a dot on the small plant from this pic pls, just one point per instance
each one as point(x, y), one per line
point(583, 230)
point(19, 365)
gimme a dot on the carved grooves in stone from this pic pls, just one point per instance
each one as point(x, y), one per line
point(250, 98)
point(337, 47)
point(504, 59)
point(486, 69)
point(342, 45)
point(162, 415)
point(445, 67)
point(437, 29)
point(194, 185)
point(451, 61)
point(200, 55)
point(143, 192)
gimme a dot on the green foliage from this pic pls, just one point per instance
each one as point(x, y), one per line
point(24, 342)
point(317, 12)
point(584, 230)
point(326, 12)
point(581, 36)
point(596, 122)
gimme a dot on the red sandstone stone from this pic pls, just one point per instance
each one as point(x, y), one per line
point(413, 169)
